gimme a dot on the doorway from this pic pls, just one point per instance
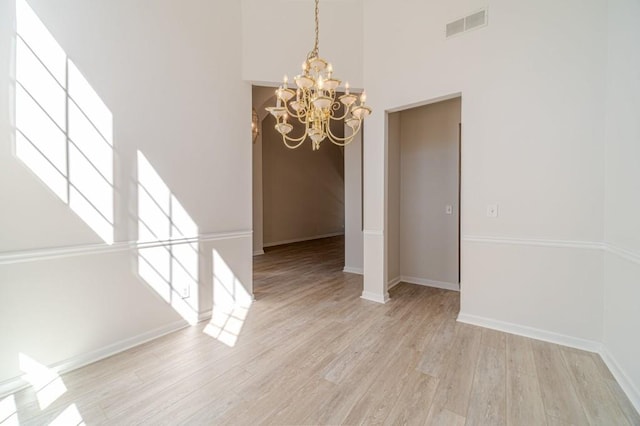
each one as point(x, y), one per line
point(298, 194)
point(423, 210)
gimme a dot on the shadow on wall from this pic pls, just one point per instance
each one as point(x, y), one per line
point(63, 130)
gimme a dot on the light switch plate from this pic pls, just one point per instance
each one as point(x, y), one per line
point(448, 209)
point(492, 210)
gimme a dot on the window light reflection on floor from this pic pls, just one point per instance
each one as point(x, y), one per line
point(226, 324)
point(47, 383)
point(69, 417)
point(8, 411)
point(231, 303)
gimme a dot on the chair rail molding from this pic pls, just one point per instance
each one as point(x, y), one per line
point(89, 249)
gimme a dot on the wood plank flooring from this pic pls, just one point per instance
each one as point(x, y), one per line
point(310, 351)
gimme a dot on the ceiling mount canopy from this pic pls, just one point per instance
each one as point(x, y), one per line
point(313, 103)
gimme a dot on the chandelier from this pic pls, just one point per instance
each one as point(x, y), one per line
point(313, 103)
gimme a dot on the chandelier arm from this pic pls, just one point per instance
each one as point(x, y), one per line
point(297, 142)
point(342, 141)
point(295, 114)
point(342, 117)
point(301, 138)
point(336, 107)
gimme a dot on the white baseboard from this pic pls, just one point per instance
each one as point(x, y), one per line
point(534, 333)
point(299, 240)
point(258, 252)
point(393, 282)
point(374, 297)
point(623, 380)
point(205, 316)
point(621, 377)
point(351, 270)
point(17, 383)
point(430, 283)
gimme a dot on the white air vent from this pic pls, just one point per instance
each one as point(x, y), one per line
point(455, 27)
point(475, 20)
point(469, 22)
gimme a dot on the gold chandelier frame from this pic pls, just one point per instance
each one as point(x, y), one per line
point(314, 102)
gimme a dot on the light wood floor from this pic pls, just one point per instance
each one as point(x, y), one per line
point(310, 351)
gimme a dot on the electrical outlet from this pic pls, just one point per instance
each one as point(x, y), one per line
point(492, 210)
point(184, 292)
point(448, 209)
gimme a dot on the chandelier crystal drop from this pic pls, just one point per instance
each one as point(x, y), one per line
point(313, 103)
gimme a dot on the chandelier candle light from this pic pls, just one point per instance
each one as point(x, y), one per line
point(314, 103)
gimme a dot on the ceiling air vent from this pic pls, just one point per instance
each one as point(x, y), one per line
point(469, 22)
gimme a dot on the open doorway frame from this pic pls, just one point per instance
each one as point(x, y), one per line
point(319, 177)
point(404, 269)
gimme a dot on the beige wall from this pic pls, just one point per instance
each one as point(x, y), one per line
point(261, 97)
point(303, 190)
point(257, 195)
point(423, 179)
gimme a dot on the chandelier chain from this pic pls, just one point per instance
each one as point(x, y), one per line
point(316, 45)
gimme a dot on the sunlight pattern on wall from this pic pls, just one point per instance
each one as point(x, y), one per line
point(231, 302)
point(168, 252)
point(48, 387)
point(9, 411)
point(64, 131)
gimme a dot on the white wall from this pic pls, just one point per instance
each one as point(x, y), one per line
point(170, 73)
point(278, 34)
point(622, 204)
point(533, 93)
point(353, 255)
point(302, 189)
point(429, 176)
